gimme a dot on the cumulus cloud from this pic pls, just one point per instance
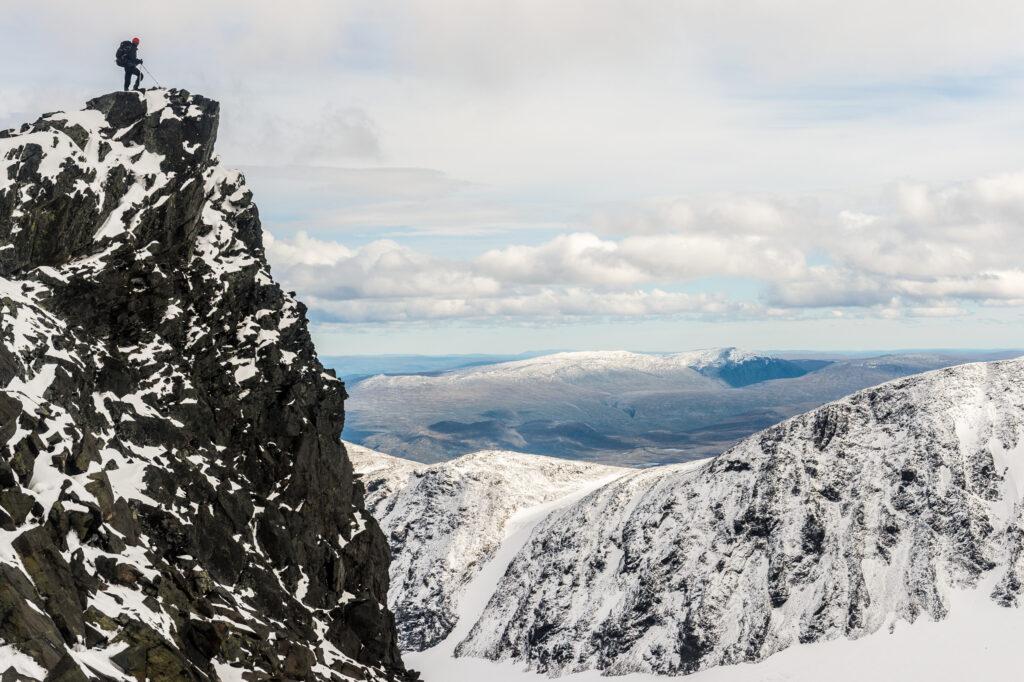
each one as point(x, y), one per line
point(923, 232)
point(584, 258)
point(379, 270)
point(576, 258)
point(384, 281)
point(920, 251)
point(922, 245)
point(545, 304)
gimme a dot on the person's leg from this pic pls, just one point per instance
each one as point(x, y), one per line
point(127, 77)
point(138, 77)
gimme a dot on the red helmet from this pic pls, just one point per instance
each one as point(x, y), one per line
point(136, 41)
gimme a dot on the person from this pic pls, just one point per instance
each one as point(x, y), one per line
point(127, 57)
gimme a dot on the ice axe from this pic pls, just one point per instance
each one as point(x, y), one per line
point(151, 75)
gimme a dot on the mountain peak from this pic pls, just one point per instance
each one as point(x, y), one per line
point(175, 502)
point(87, 178)
point(715, 357)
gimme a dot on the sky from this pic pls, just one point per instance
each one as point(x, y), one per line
point(474, 176)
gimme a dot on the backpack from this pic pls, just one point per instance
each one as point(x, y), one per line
point(121, 56)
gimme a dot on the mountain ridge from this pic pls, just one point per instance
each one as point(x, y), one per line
point(578, 363)
point(833, 524)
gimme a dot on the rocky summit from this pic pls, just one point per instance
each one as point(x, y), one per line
point(175, 502)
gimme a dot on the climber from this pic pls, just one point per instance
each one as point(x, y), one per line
point(127, 58)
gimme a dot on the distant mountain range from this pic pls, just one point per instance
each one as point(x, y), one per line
point(615, 407)
point(355, 368)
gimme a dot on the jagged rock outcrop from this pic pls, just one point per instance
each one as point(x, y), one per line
point(175, 502)
point(445, 521)
point(833, 524)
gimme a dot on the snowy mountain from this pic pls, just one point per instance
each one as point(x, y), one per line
point(355, 368)
point(612, 407)
point(880, 509)
point(447, 520)
point(175, 503)
point(740, 368)
point(598, 366)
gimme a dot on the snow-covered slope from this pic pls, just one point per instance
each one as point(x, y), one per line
point(446, 520)
point(979, 641)
point(868, 512)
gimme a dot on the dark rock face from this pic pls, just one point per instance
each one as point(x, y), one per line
point(174, 497)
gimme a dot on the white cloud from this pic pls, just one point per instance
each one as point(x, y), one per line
point(574, 258)
point(920, 252)
point(327, 271)
point(303, 250)
point(545, 304)
point(587, 99)
point(583, 258)
point(384, 281)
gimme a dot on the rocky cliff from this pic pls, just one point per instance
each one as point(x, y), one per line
point(175, 502)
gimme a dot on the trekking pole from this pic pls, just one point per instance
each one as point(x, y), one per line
point(151, 76)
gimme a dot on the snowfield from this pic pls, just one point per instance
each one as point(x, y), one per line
point(979, 641)
point(834, 524)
